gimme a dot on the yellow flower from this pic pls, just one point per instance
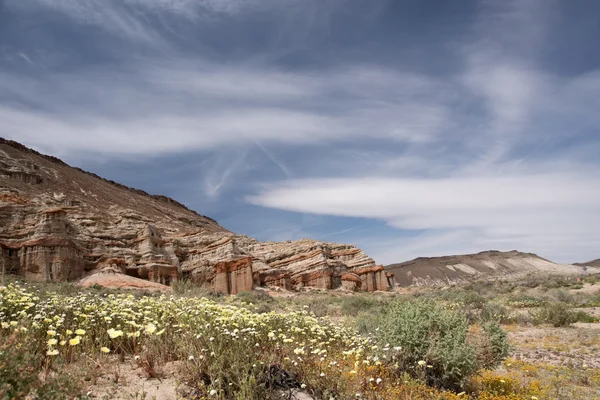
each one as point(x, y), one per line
point(105, 349)
point(150, 328)
point(422, 363)
point(51, 333)
point(80, 332)
point(63, 342)
point(69, 332)
point(52, 342)
point(75, 341)
point(113, 333)
point(52, 352)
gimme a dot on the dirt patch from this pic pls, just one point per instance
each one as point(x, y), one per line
point(588, 289)
point(127, 380)
point(576, 346)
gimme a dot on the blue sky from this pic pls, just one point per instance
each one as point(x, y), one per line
point(409, 128)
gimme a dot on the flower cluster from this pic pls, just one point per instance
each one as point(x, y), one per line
point(197, 329)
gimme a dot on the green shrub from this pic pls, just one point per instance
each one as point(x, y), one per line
point(494, 312)
point(582, 316)
point(365, 321)
point(261, 301)
point(492, 346)
point(428, 333)
point(560, 295)
point(465, 297)
point(24, 372)
point(187, 288)
point(524, 301)
point(555, 282)
point(354, 305)
point(556, 314)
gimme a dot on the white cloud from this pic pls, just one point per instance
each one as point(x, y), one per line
point(545, 212)
point(157, 108)
point(501, 71)
point(199, 8)
point(448, 156)
point(108, 15)
point(162, 134)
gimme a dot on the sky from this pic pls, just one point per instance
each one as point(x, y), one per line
point(408, 128)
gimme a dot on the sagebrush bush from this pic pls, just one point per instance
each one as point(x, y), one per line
point(492, 347)
point(494, 312)
point(525, 301)
point(261, 301)
point(354, 305)
point(365, 321)
point(435, 339)
point(582, 316)
point(560, 295)
point(187, 288)
point(556, 314)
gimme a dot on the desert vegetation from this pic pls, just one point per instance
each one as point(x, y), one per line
point(534, 339)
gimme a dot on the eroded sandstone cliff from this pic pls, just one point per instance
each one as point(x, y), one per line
point(59, 223)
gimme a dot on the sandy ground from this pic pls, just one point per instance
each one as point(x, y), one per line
point(575, 346)
point(588, 289)
point(128, 381)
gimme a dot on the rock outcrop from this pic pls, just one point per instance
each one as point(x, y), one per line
point(59, 223)
point(441, 271)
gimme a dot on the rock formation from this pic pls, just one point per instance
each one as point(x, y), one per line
point(59, 223)
point(429, 271)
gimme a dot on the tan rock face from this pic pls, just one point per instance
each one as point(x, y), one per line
point(59, 223)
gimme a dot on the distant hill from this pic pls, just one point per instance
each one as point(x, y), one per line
point(593, 263)
point(429, 271)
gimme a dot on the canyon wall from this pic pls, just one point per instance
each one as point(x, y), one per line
point(59, 223)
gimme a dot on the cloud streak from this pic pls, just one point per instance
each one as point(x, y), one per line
point(324, 108)
point(538, 211)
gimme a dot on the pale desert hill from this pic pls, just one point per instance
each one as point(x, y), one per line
point(593, 263)
point(430, 271)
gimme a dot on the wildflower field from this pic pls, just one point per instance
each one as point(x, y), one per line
point(56, 345)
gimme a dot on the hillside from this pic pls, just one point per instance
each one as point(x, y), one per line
point(487, 264)
point(60, 223)
point(593, 263)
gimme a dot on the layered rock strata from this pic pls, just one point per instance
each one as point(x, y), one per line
point(59, 223)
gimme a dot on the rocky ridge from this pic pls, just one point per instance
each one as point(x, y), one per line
point(593, 263)
point(447, 270)
point(59, 223)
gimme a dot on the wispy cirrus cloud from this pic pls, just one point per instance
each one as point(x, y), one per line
point(207, 106)
point(330, 108)
point(538, 211)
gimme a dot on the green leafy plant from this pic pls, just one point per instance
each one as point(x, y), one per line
point(556, 314)
point(434, 342)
